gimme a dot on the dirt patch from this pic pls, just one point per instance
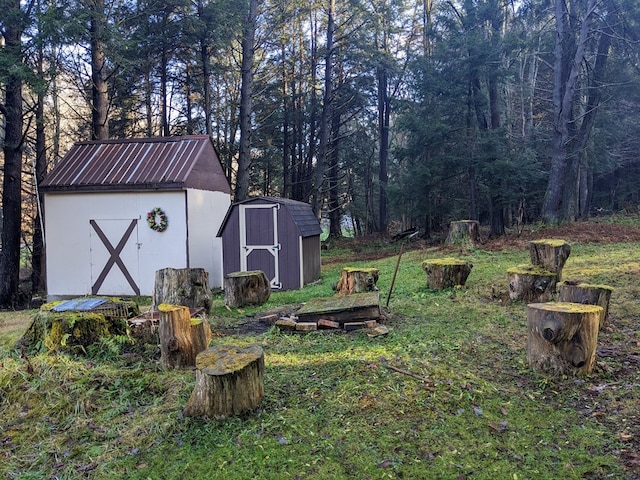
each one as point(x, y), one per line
point(579, 232)
point(253, 325)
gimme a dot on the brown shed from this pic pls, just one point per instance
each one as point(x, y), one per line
point(276, 235)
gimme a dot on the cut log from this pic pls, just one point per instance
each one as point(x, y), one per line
point(562, 337)
point(182, 286)
point(463, 232)
point(357, 280)
point(246, 288)
point(550, 255)
point(531, 283)
point(181, 338)
point(446, 272)
point(588, 295)
point(229, 381)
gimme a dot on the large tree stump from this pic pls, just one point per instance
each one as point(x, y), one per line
point(229, 381)
point(463, 232)
point(182, 286)
point(446, 272)
point(562, 337)
point(550, 255)
point(246, 288)
point(357, 280)
point(74, 325)
point(588, 295)
point(181, 337)
point(531, 283)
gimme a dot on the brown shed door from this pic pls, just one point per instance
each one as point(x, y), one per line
point(259, 245)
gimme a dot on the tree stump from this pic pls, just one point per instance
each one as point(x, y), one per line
point(465, 232)
point(182, 286)
point(74, 325)
point(181, 337)
point(588, 295)
point(446, 272)
point(550, 255)
point(229, 381)
point(357, 280)
point(531, 283)
point(246, 288)
point(562, 337)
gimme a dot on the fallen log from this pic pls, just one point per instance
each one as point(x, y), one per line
point(229, 381)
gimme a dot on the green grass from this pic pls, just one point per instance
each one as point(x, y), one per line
point(333, 407)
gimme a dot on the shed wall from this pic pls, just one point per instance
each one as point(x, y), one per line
point(311, 264)
point(205, 211)
point(72, 265)
point(298, 258)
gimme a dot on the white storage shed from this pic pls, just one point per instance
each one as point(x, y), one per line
point(118, 210)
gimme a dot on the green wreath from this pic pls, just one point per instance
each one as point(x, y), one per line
point(157, 220)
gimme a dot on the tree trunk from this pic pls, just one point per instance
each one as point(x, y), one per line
point(12, 177)
point(246, 288)
point(550, 255)
point(38, 283)
point(463, 232)
point(562, 337)
point(323, 140)
point(565, 76)
point(531, 283)
point(446, 272)
point(99, 87)
point(182, 286)
point(180, 339)
point(587, 295)
point(357, 280)
point(229, 381)
point(246, 91)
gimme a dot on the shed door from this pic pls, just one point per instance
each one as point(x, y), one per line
point(259, 245)
point(114, 257)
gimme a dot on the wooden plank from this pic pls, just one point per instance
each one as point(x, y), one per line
point(341, 309)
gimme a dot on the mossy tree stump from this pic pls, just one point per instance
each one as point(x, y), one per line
point(588, 295)
point(181, 337)
point(550, 255)
point(531, 283)
point(74, 325)
point(246, 288)
point(562, 337)
point(446, 272)
point(229, 381)
point(465, 232)
point(182, 286)
point(357, 280)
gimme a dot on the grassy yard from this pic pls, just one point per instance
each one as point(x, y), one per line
point(336, 406)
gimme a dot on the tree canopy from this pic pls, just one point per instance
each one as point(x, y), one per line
point(385, 115)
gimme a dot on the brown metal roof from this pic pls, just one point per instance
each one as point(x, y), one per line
point(142, 163)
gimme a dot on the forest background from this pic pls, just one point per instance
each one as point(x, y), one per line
point(385, 115)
